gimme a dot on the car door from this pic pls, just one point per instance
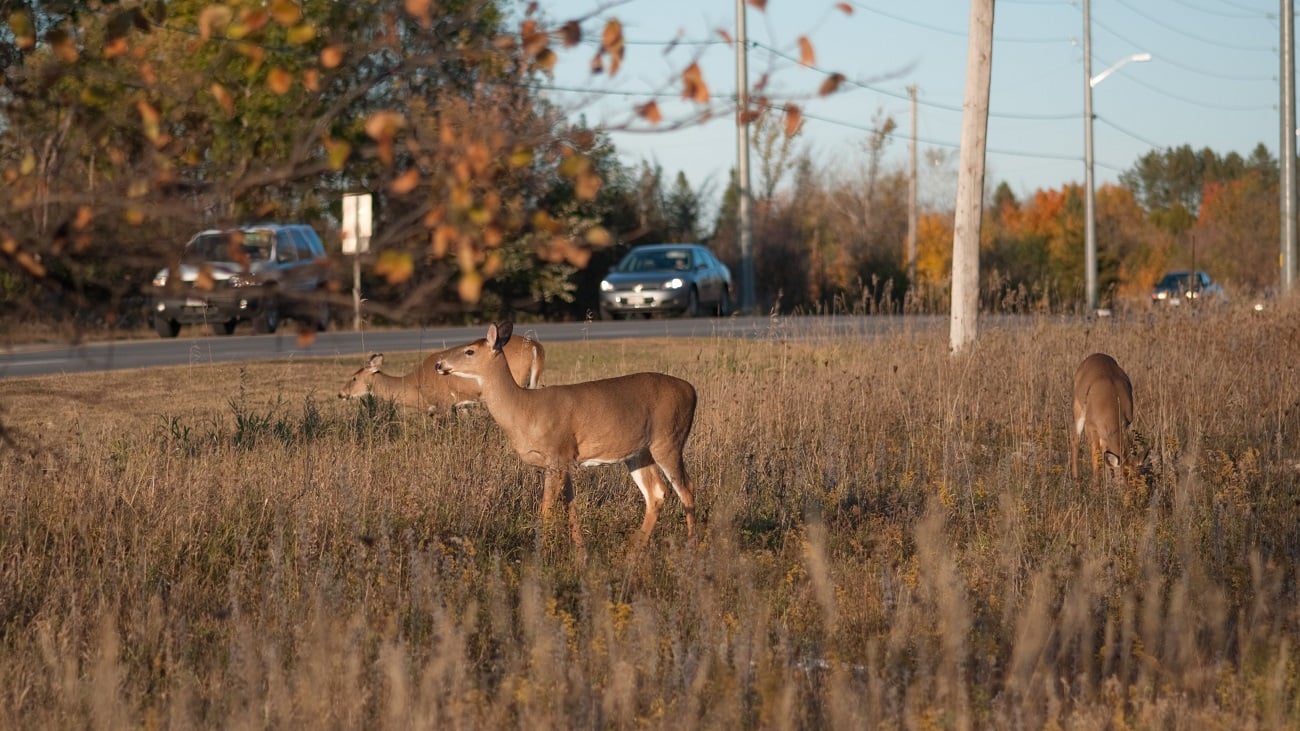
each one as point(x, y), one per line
point(710, 274)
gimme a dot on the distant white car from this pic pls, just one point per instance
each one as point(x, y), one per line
point(685, 279)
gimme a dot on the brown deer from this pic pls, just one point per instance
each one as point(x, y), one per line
point(423, 388)
point(1103, 408)
point(641, 420)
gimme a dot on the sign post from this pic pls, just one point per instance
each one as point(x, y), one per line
point(357, 230)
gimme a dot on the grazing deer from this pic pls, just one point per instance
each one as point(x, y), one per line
point(423, 388)
point(1103, 407)
point(641, 420)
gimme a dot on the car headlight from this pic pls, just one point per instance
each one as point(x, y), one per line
point(1162, 295)
point(674, 283)
point(605, 286)
point(160, 279)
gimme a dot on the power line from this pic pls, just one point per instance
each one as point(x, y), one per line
point(1133, 135)
point(905, 97)
point(1221, 14)
point(1185, 34)
point(1198, 103)
point(949, 31)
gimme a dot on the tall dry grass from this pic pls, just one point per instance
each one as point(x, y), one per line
point(890, 538)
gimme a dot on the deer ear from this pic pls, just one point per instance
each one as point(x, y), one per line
point(503, 332)
point(376, 362)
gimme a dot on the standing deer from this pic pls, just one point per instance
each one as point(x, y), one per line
point(1103, 407)
point(423, 388)
point(641, 420)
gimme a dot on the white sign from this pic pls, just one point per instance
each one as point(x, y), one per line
point(356, 231)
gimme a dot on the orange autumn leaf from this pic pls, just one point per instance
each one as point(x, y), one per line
point(650, 112)
point(757, 4)
point(331, 56)
point(279, 81)
point(693, 86)
point(793, 120)
point(831, 84)
point(845, 8)
point(806, 55)
point(405, 183)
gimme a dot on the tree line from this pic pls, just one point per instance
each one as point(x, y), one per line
point(127, 127)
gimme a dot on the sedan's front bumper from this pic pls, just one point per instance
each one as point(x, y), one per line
point(645, 300)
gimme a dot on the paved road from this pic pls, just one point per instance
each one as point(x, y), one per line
point(49, 360)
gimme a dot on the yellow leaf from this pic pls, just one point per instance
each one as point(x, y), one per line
point(395, 266)
point(337, 151)
point(150, 117)
point(286, 12)
point(598, 236)
point(279, 80)
point(806, 55)
point(300, 34)
point(521, 157)
point(28, 164)
point(20, 23)
point(405, 183)
point(586, 186)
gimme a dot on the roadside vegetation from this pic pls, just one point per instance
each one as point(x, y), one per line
point(889, 537)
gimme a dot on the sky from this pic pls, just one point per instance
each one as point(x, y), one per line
point(1212, 81)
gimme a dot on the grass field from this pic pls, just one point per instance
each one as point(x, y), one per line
point(890, 537)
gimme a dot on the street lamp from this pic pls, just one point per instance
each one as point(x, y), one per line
point(1090, 205)
point(1090, 212)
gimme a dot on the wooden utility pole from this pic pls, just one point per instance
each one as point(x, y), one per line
point(911, 200)
point(1288, 151)
point(970, 177)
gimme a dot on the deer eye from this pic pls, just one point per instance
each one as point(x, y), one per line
point(470, 351)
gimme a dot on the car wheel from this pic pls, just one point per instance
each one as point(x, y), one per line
point(692, 304)
point(224, 328)
point(724, 303)
point(606, 314)
point(269, 318)
point(166, 328)
point(322, 315)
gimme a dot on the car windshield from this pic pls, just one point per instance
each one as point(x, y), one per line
point(256, 245)
point(1180, 280)
point(663, 260)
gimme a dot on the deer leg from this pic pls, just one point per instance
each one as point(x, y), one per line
point(1074, 441)
point(646, 477)
point(675, 470)
point(575, 530)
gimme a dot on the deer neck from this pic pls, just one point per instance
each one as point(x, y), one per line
point(499, 392)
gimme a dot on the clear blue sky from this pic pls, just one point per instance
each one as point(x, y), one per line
point(1212, 81)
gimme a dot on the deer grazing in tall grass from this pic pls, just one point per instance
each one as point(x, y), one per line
point(641, 420)
point(1103, 410)
point(423, 388)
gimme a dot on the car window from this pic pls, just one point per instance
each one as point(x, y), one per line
point(303, 238)
point(286, 249)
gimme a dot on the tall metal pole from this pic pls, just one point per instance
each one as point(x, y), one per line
point(911, 200)
point(1089, 201)
point(744, 223)
point(1288, 133)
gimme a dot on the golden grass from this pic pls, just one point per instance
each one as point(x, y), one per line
point(889, 537)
